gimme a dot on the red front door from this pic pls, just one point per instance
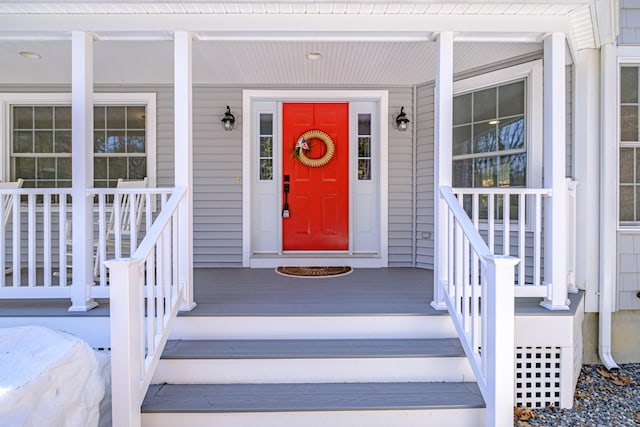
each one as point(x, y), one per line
point(318, 196)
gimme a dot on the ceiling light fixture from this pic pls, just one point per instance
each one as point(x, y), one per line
point(313, 56)
point(29, 55)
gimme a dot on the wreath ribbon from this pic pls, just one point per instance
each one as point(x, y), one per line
point(302, 146)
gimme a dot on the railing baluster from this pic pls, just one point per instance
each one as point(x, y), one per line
point(506, 222)
point(450, 249)
point(475, 281)
point(31, 239)
point(537, 233)
point(133, 222)
point(174, 253)
point(46, 230)
point(166, 253)
point(117, 227)
point(62, 240)
point(102, 239)
point(17, 218)
point(522, 237)
point(3, 242)
point(160, 278)
point(491, 221)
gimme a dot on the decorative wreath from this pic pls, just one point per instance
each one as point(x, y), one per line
point(302, 148)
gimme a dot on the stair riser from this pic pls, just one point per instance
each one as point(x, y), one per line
point(309, 327)
point(466, 417)
point(244, 371)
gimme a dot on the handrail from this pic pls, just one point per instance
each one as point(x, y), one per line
point(479, 295)
point(145, 298)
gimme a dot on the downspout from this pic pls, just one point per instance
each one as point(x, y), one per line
point(414, 177)
point(608, 234)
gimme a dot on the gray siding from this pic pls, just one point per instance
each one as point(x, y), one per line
point(400, 182)
point(425, 172)
point(629, 22)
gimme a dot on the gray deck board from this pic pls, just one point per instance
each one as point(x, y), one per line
point(263, 292)
point(305, 349)
point(310, 397)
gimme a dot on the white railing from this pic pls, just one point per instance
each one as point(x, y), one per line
point(123, 218)
point(479, 295)
point(510, 221)
point(145, 297)
point(34, 243)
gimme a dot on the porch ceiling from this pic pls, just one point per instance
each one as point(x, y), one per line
point(246, 63)
point(375, 43)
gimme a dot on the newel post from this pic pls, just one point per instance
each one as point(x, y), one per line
point(126, 294)
point(500, 339)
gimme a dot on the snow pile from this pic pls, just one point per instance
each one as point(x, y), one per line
point(48, 378)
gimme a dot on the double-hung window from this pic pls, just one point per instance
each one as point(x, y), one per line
point(629, 166)
point(496, 119)
point(39, 148)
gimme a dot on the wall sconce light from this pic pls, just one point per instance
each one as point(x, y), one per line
point(228, 120)
point(402, 120)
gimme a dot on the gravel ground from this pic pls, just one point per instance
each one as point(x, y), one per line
point(602, 399)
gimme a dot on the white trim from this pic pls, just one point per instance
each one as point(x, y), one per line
point(250, 96)
point(8, 99)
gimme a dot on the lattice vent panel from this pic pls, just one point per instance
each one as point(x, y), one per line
point(537, 377)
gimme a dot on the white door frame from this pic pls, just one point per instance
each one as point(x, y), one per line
point(249, 97)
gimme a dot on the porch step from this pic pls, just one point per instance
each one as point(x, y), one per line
point(457, 404)
point(312, 361)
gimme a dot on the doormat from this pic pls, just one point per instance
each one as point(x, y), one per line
point(316, 272)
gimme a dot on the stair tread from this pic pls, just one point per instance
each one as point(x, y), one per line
point(290, 349)
point(311, 397)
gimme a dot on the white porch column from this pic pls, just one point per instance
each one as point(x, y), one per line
point(82, 169)
point(443, 159)
point(555, 234)
point(183, 166)
point(587, 158)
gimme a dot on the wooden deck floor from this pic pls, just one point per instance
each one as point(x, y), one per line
point(232, 291)
point(263, 292)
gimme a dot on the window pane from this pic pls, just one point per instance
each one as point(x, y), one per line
point(629, 123)
point(63, 117)
point(484, 172)
point(23, 142)
point(364, 146)
point(484, 105)
point(99, 117)
point(23, 117)
point(25, 168)
point(364, 169)
point(116, 117)
point(266, 169)
point(116, 141)
point(627, 203)
point(484, 138)
point(62, 142)
point(461, 140)
point(99, 142)
point(117, 168)
point(462, 173)
point(43, 117)
point(513, 171)
point(135, 142)
point(137, 168)
point(266, 146)
point(511, 133)
point(100, 168)
point(364, 124)
point(511, 99)
point(462, 109)
point(44, 142)
point(64, 168)
point(46, 168)
point(629, 85)
point(627, 162)
point(266, 124)
point(136, 117)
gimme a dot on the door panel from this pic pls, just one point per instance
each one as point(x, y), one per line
point(319, 196)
